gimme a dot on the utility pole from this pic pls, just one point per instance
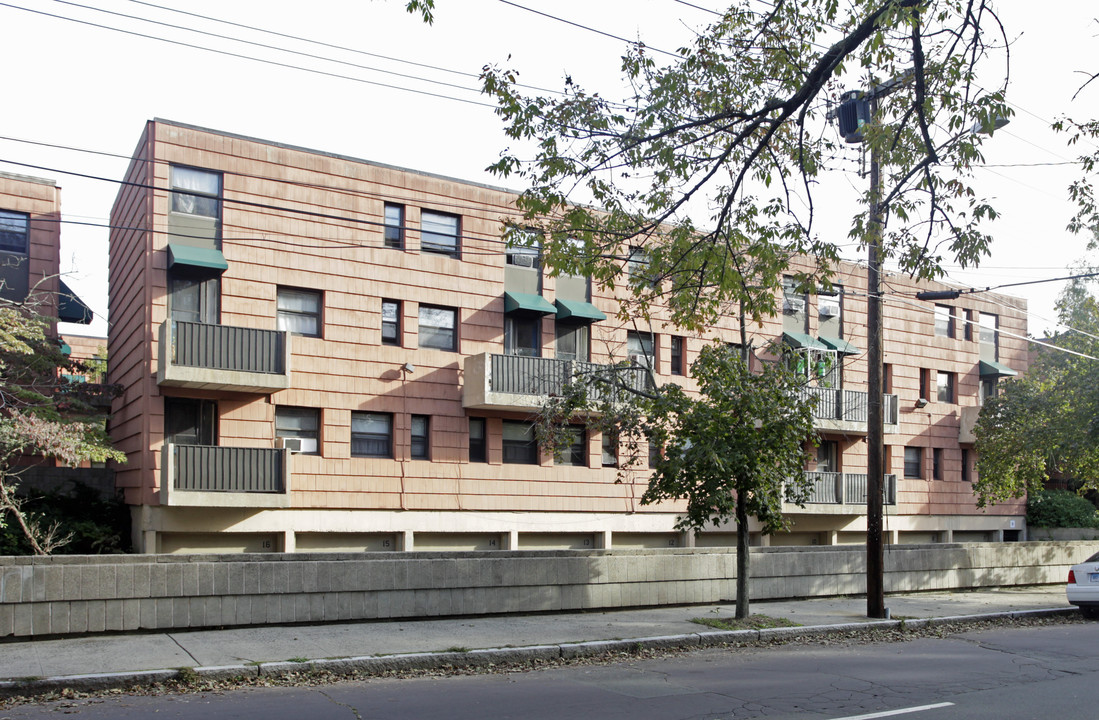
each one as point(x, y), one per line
point(875, 449)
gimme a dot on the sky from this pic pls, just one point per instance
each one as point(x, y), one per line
point(387, 88)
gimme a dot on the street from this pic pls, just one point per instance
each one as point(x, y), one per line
point(1017, 673)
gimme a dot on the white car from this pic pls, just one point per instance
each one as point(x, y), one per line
point(1083, 587)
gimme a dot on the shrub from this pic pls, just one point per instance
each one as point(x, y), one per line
point(1060, 509)
point(97, 525)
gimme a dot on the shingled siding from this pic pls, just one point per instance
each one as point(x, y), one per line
point(91, 594)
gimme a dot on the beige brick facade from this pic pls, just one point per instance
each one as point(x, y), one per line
point(310, 227)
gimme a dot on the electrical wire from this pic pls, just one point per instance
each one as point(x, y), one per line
point(589, 29)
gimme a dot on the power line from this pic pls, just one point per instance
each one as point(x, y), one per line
point(242, 56)
point(589, 29)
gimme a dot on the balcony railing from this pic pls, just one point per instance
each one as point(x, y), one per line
point(829, 488)
point(848, 409)
point(518, 381)
point(225, 476)
point(225, 357)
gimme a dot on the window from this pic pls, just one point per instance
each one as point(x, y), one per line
point(439, 233)
point(301, 423)
point(828, 456)
point(394, 226)
point(913, 465)
point(300, 311)
point(925, 383)
point(525, 249)
point(190, 422)
point(968, 331)
point(523, 335)
point(391, 322)
point(14, 232)
point(519, 443)
point(193, 298)
point(438, 328)
point(637, 265)
point(610, 449)
point(679, 354)
point(945, 386)
point(830, 310)
point(577, 451)
point(572, 342)
point(937, 463)
point(795, 317)
point(989, 389)
point(371, 434)
point(965, 465)
point(944, 321)
point(639, 348)
point(478, 446)
point(196, 192)
point(988, 336)
point(421, 437)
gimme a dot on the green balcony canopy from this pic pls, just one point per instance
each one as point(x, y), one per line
point(528, 303)
point(839, 345)
point(196, 257)
point(801, 340)
point(991, 368)
point(71, 308)
point(578, 311)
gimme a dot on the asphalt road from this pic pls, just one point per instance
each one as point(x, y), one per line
point(1039, 672)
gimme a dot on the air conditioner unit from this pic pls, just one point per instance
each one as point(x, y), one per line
point(292, 444)
point(522, 260)
point(829, 311)
point(793, 306)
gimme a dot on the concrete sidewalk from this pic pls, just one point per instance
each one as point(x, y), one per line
point(121, 660)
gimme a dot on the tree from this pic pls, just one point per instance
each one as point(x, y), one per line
point(1045, 422)
point(40, 414)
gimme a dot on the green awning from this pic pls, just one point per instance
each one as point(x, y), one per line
point(839, 345)
point(801, 340)
point(71, 308)
point(66, 350)
point(527, 302)
point(578, 311)
point(196, 257)
point(991, 368)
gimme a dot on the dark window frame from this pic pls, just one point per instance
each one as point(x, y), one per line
point(478, 447)
point(517, 452)
point(937, 468)
point(393, 235)
point(679, 354)
point(419, 446)
point(947, 388)
point(387, 437)
point(913, 462)
point(523, 335)
point(396, 324)
point(945, 322)
point(288, 411)
point(966, 477)
point(291, 314)
point(576, 454)
point(453, 346)
point(437, 248)
point(13, 216)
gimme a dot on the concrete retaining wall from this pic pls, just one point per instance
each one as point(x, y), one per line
point(91, 594)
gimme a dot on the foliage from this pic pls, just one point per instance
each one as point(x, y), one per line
point(41, 414)
point(95, 525)
point(737, 124)
point(1060, 509)
point(753, 622)
point(1045, 422)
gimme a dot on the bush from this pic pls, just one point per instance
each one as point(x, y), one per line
point(1060, 509)
point(98, 525)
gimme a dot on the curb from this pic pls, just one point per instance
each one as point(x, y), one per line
point(489, 657)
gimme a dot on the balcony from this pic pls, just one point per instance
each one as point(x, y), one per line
point(209, 476)
point(223, 357)
point(517, 382)
point(847, 411)
point(844, 493)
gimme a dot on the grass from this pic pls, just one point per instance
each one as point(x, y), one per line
point(456, 649)
point(298, 660)
point(752, 622)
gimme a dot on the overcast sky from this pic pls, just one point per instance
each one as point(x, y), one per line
point(87, 86)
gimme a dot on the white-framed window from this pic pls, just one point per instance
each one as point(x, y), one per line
point(196, 191)
point(371, 434)
point(438, 328)
point(440, 233)
point(299, 311)
point(302, 423)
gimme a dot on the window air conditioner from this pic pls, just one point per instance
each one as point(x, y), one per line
point(792, 306)
point(522, 260)
point(829, 311)
point(289, 443)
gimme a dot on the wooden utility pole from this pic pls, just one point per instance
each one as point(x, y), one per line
point(875, 450)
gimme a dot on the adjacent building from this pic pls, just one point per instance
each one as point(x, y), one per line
point(325, 353)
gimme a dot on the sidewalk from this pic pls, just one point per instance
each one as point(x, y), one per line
point(120, 660)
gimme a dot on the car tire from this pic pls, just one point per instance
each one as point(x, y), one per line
point(1090, 613)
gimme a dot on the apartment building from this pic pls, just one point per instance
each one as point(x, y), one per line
point(324, 353)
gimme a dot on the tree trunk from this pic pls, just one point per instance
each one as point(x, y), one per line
point(743, 558)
